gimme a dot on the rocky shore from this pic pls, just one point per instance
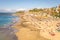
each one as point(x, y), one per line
point(31, 27)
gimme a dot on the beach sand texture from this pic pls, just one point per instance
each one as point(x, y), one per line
point(27, 30)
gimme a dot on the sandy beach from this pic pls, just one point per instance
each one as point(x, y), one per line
point(27, 34)
point(29, 19)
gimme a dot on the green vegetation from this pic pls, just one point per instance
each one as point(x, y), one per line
point(54, 11)
point(35, 10)
point(19, 12)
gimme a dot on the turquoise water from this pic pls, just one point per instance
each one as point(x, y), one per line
point(6, 18)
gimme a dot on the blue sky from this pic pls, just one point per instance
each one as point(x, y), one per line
point(27, 4)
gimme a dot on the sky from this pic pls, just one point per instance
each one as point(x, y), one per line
point(27, 4)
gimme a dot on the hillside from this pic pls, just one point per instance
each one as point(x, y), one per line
point(37, 25)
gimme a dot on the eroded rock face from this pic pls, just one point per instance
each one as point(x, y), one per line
point(44, 27)
point(29, 30)
point(7, 34)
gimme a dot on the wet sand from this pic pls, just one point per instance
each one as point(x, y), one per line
point(7, 34)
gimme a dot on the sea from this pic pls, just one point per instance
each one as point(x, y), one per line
point(7, 19)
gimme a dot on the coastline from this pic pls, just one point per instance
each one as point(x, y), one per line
point(28, 31)
point(31, 28)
